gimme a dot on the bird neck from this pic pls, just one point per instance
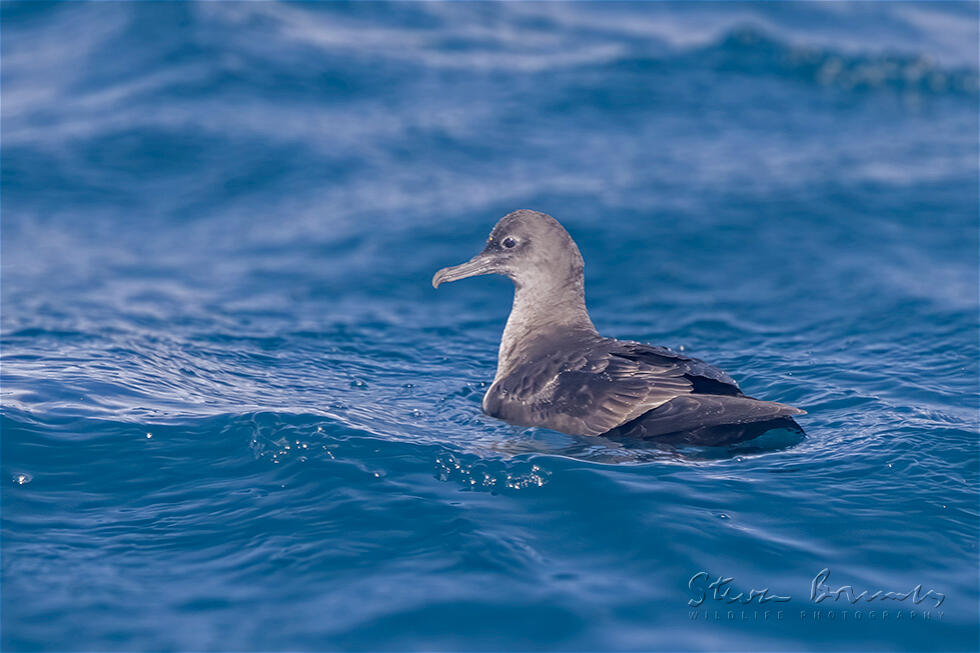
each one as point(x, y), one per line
point(542, 309)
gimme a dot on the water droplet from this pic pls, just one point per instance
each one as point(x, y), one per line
point(22, 478)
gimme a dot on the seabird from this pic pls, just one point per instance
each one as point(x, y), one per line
point(555, 371)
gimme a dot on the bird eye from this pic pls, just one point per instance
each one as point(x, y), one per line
point(509, 242)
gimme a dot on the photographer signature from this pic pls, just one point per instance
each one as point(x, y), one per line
point(702, 586)
point(820, 591)
point(721, 591)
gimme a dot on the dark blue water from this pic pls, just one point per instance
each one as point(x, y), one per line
point(236, 416)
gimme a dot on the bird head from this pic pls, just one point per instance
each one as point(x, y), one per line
point(529, 247)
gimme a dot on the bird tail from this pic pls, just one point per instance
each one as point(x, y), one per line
point(691, 413)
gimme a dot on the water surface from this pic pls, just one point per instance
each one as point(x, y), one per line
point(236, 416)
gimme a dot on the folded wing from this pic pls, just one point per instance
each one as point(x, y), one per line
point(611, 383)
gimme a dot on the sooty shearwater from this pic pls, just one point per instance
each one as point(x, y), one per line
point(555, 371)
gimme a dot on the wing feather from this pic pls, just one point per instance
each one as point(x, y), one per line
point(588, 390)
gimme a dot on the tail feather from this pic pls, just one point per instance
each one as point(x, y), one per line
point(695, 412)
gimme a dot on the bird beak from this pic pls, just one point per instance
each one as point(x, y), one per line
point(479, 264)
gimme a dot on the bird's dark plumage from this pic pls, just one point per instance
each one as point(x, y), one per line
point(556, 371)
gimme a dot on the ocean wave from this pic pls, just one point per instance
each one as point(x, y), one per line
point(222, 354)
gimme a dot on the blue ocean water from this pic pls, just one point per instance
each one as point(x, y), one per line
point(236, 416)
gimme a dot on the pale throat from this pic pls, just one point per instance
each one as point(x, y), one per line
point(542, 307)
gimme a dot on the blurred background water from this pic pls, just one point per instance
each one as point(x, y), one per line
point(236, 416)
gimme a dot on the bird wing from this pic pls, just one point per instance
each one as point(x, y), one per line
point(591, 389)
point(696, 411)
point(704, 378)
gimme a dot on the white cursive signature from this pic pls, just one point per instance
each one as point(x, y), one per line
point(819, 591)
